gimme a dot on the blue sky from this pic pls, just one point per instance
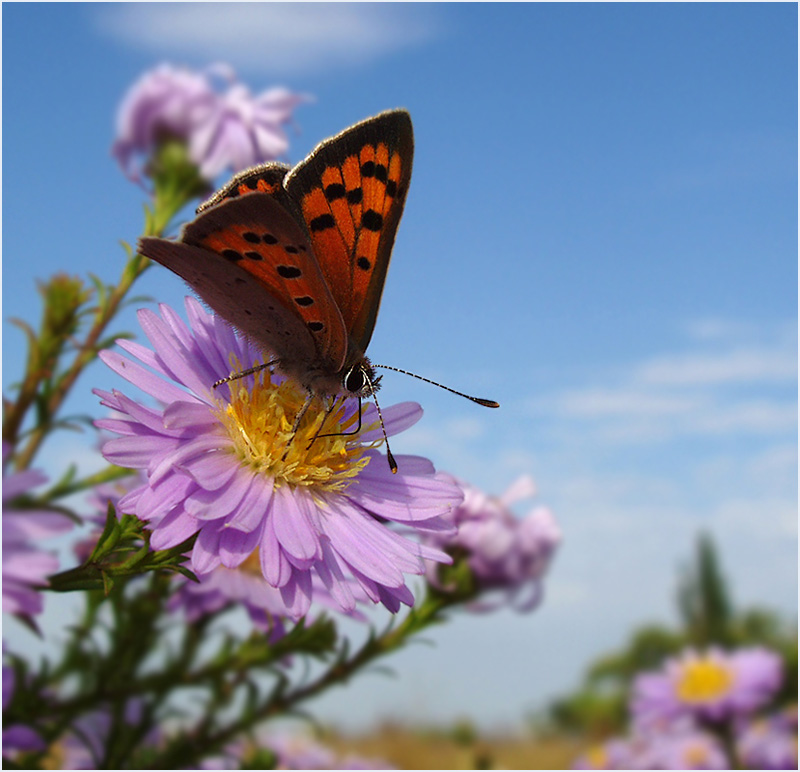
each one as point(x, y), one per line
point(601, 233)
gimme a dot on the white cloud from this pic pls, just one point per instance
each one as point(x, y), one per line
point(594, 403)
point(715, 329)
point(720, 386)
point(276, 38)
point(736, 366)
point(748, 417)
point(764, 518)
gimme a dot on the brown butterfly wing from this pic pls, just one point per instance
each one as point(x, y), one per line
point(252, 263)
point(236, 296)
point(351, 191)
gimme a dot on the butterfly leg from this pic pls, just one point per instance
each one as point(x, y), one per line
point(245, 373)
point(342, 434)
point(299, 417)
point(322, 423)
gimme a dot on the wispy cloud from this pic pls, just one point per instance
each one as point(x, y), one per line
point(599, 402)
point(748, 365)
point(718, 386)
point(277, 38)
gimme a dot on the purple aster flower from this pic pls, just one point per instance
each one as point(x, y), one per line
point(771, 742)
point(504, 552)
point(25, 566)
point(714, 685)
point(222, 130)
point(224, 464)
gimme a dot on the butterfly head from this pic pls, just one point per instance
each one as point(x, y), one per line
point(360, 380)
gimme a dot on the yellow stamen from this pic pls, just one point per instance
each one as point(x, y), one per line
point(695, 755)
point(597, 757)
point(252, 564)
point(703, 680)
point(260, 423)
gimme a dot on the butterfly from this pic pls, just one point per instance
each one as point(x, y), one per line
point(296, 258)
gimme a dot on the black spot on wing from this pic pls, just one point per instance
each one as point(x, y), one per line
point(334, 191)
point(372, 220)
point(322, 223)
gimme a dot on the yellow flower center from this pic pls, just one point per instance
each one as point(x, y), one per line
point(597, 757)
point(320, 455)
point(695, 755)
point(252, 565)
point(703, 680)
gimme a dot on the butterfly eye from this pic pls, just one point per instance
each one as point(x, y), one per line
point(354, 380)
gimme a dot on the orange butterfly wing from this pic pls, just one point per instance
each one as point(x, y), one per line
point(351, 191)
point(251, 261)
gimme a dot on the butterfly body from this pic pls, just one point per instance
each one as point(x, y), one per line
point(296, 259)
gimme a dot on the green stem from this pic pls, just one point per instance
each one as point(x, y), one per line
point(174, 187)
point(107, 475)
point(199, 743)
point(87, 352)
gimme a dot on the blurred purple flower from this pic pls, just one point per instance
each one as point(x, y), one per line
point(25, 566)
point(223, 588)
point(677, 747)
point(688, 749)
point(84, 745)
point(222, 130)
point(713, 686)
point(225, 463)
point(302, 753)
point(771, 742)
point(245, 586)
point(17, 738)
point(612, 754)
point(243, 131)
point(504, 552)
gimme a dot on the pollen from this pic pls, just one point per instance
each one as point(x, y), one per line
point(703, 680)
point(322, 454)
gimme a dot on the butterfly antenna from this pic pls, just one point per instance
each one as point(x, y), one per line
point(245, 373)
point(479, 400)
point(389, 456)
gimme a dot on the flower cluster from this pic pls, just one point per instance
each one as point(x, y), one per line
point(770, 742)
point(287, 752)
point(699, 708)
point(25, 566)
point(506, 555)
point(229, 466)
point(676, 748)
point(708, 686)
point(230, 129)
